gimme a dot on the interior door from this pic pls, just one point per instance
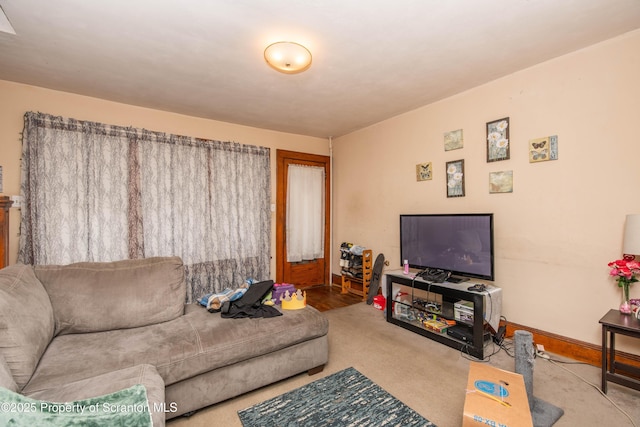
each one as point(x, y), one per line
point(305, 273)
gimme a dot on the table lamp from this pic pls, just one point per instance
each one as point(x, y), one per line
point(631, 242)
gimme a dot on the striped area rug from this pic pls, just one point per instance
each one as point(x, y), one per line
point(346, 398)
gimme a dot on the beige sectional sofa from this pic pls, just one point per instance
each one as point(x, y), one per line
point(88, 329)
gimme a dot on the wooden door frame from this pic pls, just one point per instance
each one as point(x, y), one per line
point(282, 157)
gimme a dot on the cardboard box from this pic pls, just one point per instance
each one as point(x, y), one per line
point(495, 398)
point(435, 325)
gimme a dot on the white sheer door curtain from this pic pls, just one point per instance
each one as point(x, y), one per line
point(97, 192)
point(305, 213)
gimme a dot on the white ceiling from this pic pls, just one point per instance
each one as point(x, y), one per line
point(372, 59)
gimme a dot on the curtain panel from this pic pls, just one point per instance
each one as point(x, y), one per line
point(97, 192)
point(305, 213)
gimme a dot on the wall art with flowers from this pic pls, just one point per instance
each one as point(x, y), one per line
point(498, 140)
point(455, 178)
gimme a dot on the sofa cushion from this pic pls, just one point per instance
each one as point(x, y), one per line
point(102, 296)
point(195, 343)
point(26, 321)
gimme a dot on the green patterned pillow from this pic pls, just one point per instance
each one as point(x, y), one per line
point(128, 407)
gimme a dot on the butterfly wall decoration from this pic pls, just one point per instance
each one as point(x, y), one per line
point(424, 171)
point(543, 149)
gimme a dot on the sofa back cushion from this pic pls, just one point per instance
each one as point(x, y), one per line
point(102, 296)
point(26, 322)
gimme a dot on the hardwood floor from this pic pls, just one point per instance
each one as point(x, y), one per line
point(327, 297)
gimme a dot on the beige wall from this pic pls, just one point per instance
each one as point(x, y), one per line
point(16, 99)
point(563, 222)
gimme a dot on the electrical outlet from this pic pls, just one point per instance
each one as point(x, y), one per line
point(540, 348)
point(17, 201)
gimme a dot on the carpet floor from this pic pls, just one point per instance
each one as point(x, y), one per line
point(431, 378)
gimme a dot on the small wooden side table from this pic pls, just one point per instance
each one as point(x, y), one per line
point(625, 324)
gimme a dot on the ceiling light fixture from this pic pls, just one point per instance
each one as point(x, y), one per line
point(288, 57)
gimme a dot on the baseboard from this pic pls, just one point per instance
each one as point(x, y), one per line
point(568, 347)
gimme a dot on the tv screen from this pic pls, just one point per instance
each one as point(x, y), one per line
point(458, 243)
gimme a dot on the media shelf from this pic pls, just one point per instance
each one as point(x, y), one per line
point(444, 312)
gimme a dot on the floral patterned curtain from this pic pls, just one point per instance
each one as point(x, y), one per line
point(96, 192)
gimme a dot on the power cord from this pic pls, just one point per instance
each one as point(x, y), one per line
point(465, 352)
point(506, 345)
point(498, 339)
point(541, 354)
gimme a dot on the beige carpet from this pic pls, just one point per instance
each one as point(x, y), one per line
point(431, 378)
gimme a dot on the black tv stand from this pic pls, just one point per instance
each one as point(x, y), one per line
point(413, 302)
point(456, 279)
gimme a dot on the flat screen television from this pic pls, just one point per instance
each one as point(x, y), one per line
point(461, 244)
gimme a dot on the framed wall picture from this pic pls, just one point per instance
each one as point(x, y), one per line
point(501, 182)
point(455, 178)
point(424, 171)
point(543, 149)
point(498, 140)
point(453, 140)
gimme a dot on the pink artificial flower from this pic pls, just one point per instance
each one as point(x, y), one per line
point(624, 269)
point(633, 265)
point(625, 272)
